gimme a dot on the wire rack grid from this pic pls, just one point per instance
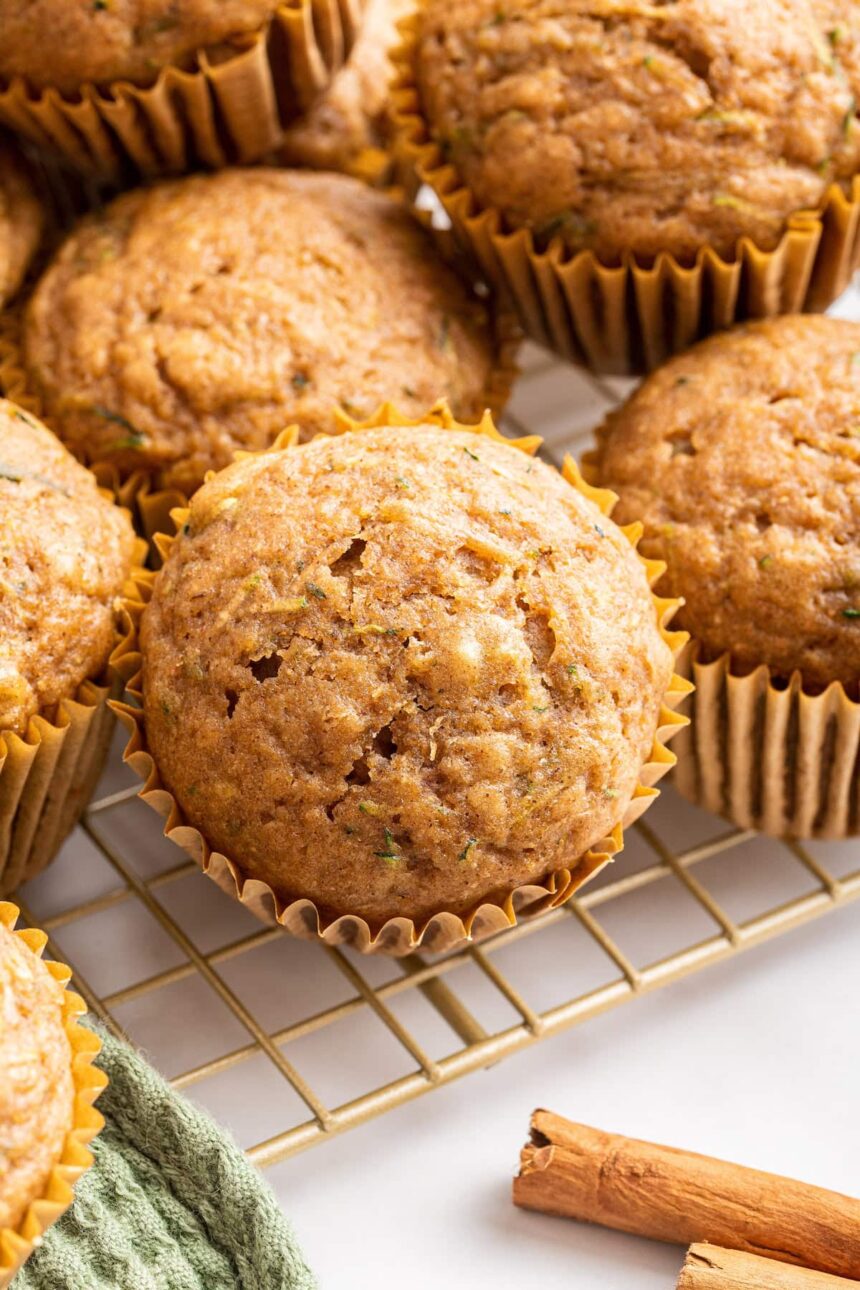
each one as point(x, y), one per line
point(138, 926)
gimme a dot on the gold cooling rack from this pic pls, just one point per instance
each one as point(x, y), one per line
point(701, 887)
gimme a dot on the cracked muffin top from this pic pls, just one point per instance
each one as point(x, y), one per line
point(622, 125)
point(349, 116)
point(65, 552)
point(36, 1085)
point(205, 315)
point(742, 458)
point(99, 41)
point(22, 221)
point(400, 671)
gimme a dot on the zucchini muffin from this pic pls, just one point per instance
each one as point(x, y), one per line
point(742, 459)
point(401, 671)
point(37, 1091)
point(643, 127)
point(22, 221)
point(350, 116)
point(100, 41)
point(65, 552)
point(204, 315)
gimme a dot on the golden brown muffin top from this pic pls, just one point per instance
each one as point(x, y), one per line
point(22, 221)
point(349, 116)
point(64, 554)
point(36, 1085)
point(632, 126)
point(401, 670)
point(206, 314)
point(742, 458)
point(70, 43)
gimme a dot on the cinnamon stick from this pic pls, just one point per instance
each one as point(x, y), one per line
point(677, 1196)
point(708, 1267)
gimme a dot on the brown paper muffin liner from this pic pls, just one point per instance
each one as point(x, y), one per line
point(763, 752)
point(444, 930)
point(48, 774)
point(16, 1244)
point(374, 166)
point(767, 754)
point(151, 506)
point(628, 318)
point(213, 114)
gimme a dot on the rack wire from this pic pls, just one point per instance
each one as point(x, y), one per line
point(721, 891)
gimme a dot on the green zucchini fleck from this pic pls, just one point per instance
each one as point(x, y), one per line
point(391, 854)
point(16, 475)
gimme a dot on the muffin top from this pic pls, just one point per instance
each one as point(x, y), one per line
point(644, 127)
point(99, 41)
point(64, 554)
point(742, 458)
point(401, 670)
point(36, 1085)
point(206, 314)
point(22, 221)
point(349, 116)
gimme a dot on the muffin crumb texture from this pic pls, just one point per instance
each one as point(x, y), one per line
point(205, 315)
point(36, 1084)
point(645, 127)
point(65, 552)
point(401, 671)
point(22, 221)
point(100, 41)
point(742, 458)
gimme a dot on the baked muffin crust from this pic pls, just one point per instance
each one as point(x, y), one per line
point(22, 221)
point(401, 670)
point(742, 459)
point(645, 127)
point(64, 554)
point(204, 315)
point(36, 1085)
point(350, 115)
point(99, 41)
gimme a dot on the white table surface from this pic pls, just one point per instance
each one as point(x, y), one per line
point(756, 1059)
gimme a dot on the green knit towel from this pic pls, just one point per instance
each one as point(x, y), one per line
point(171, 1203)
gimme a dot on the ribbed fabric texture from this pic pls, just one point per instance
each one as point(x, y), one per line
point(171, 1203)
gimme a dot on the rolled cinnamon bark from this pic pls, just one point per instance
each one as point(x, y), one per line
point(708, 1267)
point(677, 1196)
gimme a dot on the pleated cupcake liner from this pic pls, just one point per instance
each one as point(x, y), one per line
point(764, 752)
point(16, 1244)
point(47, 777)
point(349, 129)
point(768, 754)
point(150, 504)
point(212, 114)
point(48, 774)
point(628, 318)
point(444, 930)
